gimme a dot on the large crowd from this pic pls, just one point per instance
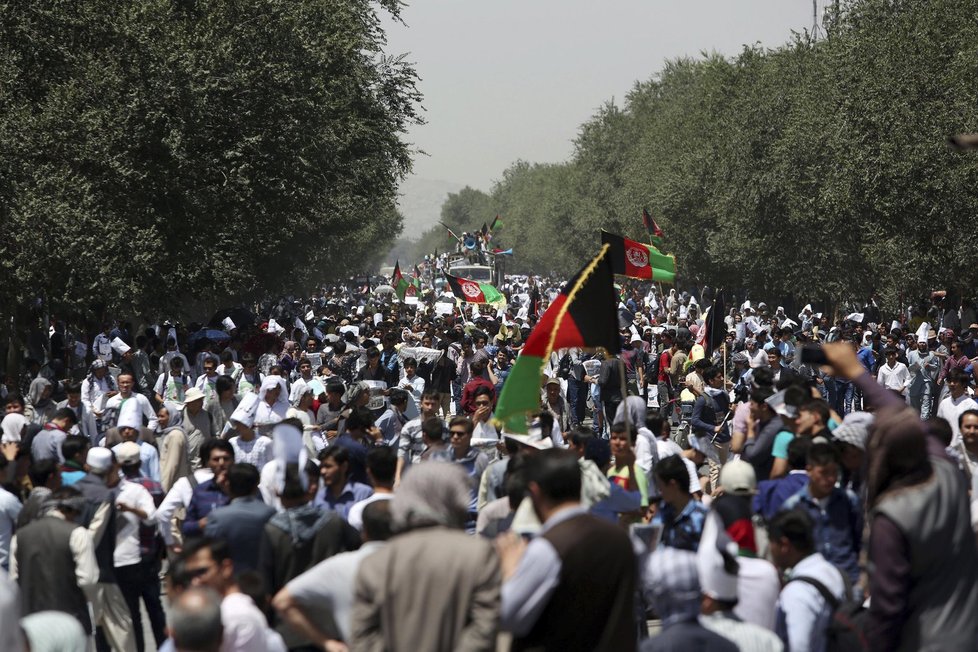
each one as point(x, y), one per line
point(327, 473)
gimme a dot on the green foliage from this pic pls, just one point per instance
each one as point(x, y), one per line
point(173, 153)
point(818, 169)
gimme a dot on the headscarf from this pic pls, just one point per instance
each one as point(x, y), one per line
point(898, 455)
point(35, 391)
point(636, 407)
point(303, 389)
point(433, 494)
point(176, 417)
point(13, 427)
point(270, 383)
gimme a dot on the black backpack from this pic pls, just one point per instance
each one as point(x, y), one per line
point(845, 631)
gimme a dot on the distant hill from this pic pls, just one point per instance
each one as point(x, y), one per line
point(420, 202)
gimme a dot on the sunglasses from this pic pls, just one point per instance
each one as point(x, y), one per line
point(458, 433)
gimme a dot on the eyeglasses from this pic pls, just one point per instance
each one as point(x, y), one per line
point(458, 433)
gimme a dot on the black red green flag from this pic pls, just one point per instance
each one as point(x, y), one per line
point(636, 260)
point(473, 291)
point(400, 283)
point(496, 222)
point(583, 315)
point(655, 233)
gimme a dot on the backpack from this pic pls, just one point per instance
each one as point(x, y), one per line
point(845, 630)
point(564, 367)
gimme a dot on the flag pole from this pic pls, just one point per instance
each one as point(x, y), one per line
point(624, 394)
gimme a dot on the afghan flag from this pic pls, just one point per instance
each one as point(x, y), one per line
point(473, 291)
point(400, 283)
point(583, 315)
point(636, 260)
point(416, 281)
point(655, 233)
point(496, 223)
point(503, 252)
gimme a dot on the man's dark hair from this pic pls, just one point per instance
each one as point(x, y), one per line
point(796, 526)
point(212, 444)
point(243, 479)
point(360, 417)
point(798, 453)
point(219, 548)
point(73, 446)
point(819, 407)
point(248, 358)
point(40, 472)
point(377, 520)
point(176, 362)
point(626, 428)
point(959, 375)
point(227, 357)
point(654, 422)
point(557, 473)
point(15, 398)
point(483, 390)
point(462, 421)
point(339, 454)
point(382, 464)
point(223, 384)
point(434, 429)
point(822, 455)
point(961, 417)
point(398, 397)
point(72, 387)
point(431, 394)
point(67, 414)
point(672, 469)
point(410, 362)
point(761, 394)
point(580, 436)
point(293, 488)
point(763, 377)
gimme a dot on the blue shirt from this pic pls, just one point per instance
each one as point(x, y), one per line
point(206, 498)
point(684, 530)
point(838, 526)
point(353, 492)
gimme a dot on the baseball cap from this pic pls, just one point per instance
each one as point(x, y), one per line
point(738, 477)
point(127, 453)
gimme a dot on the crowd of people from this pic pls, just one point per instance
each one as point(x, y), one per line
point(332, 476)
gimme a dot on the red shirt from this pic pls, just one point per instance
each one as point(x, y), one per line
point(665, 359)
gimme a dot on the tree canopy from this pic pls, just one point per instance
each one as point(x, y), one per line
point(169, 156)
point(817, 169)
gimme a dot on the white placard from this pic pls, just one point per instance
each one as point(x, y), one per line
point(444, 308)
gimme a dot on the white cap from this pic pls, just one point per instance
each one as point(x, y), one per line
point(715, 558)
point(127, 453)
point(119, 346)
point(130, 416)
point(738, 477)
point(228, 324)
point(99, 459)
point(193, 394)
point(245, 412)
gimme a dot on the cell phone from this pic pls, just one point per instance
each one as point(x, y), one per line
point(813, 354)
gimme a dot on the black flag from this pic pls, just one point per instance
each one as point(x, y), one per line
point(716, 327)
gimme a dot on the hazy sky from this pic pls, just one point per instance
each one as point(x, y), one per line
point(514, 79)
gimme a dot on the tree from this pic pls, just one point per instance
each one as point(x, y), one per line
point(169, 156)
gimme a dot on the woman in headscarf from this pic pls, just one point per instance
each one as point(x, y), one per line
point(39, 408)
point(287, 361)
point(172, 440)
point(13, 425)
point(273, 404)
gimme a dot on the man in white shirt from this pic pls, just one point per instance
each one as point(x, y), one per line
point(114, 405)
point(328, 586)
point(957, 403)
point(893, 374)
point(130, 422)
point(804, 614)
point(207, 381)
point(134, 507)
point(9, 511)
point(245, 627)
point(411, 381)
